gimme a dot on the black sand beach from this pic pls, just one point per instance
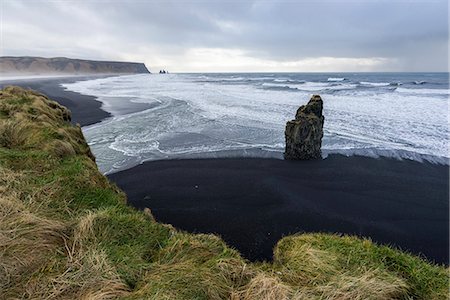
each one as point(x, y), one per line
point(86, 110)
point(252, 203)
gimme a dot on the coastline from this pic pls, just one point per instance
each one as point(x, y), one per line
point(86, 110)
point(60, 213)
point(264, 189)
point(252, 203)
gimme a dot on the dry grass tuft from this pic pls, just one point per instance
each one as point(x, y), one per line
point(46, 258)
point(371, 284)
point(265, 287)
point(60, 148)
point(304, 264)
point(149, 214)
point(321, 266)
point(26, 242)
point(87, 275)
point(13, 134)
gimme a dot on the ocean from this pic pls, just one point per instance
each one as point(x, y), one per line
point(172, 116)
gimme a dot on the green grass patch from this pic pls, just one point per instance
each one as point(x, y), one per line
point(19, 100)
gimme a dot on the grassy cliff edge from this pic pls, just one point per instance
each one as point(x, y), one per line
point(66, 232)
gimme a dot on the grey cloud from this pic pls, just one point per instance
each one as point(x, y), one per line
point(412, 33)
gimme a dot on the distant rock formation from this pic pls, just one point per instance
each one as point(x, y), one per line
point(26, 65)
point(304, 134)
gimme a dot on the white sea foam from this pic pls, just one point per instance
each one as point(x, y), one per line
point(336, 79)
point(398, 154)
point(424, 91)
point(311, 86)
point(195, 116)
point(375, 83)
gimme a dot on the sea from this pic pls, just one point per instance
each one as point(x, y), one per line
point(212, 115)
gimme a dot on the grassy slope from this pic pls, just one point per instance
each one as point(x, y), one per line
point(66, 232)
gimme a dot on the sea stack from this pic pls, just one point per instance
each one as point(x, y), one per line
point(304, 134)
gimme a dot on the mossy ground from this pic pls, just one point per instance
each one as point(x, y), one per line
point(67, 233)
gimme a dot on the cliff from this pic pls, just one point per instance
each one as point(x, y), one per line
point(27, 65)
point(67, 233)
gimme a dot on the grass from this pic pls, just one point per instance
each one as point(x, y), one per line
point(67, 233)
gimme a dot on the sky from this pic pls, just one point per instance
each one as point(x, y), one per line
point(234, 36)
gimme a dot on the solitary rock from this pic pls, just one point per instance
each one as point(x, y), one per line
point(304, 134)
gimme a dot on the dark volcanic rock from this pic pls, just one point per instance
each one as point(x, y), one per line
point(304, 134)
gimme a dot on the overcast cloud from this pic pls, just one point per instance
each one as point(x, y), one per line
point(196, 36)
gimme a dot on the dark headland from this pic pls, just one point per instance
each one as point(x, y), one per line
point(31, 65)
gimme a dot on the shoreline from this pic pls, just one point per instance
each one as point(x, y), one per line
point(252, 203)
point(55, 199)
point(86, 110)
point(264, 190)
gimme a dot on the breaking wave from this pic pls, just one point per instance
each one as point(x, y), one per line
point(336, 79)
point(375, 83)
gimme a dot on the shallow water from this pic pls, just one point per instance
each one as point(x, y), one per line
point(403, 115)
